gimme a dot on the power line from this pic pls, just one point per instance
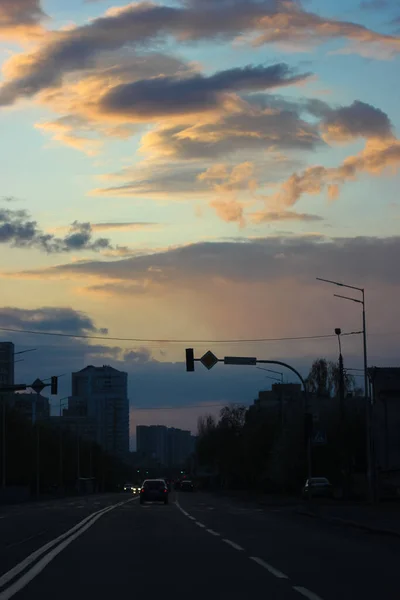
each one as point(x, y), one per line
point(176, 341)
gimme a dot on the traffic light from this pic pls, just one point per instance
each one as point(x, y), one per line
point(54, 385)
point(189, 359)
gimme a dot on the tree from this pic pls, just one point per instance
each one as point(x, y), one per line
point(324, 379)
point(318, 380)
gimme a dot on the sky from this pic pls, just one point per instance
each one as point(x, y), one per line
point(177, 174)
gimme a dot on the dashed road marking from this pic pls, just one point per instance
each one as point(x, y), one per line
point(192, 518)
point(213, 532)
point(200, 524)
point(305, 592)
point(269, 567)
point(233, 544)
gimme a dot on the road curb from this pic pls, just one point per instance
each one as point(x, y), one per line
point(349, 523)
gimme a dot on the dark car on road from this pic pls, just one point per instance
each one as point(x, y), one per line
point(187, 486)
point(318, 487)
point(154, 490)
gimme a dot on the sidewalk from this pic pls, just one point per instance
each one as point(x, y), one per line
point(382, 519)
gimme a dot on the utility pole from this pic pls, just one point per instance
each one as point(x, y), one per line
point(368, 416)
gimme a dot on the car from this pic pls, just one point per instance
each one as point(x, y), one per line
point(318, 487)
point(154, 490)
point(128, 487)
point(187, 486)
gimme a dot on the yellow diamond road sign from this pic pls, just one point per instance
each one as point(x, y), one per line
point(209, 360)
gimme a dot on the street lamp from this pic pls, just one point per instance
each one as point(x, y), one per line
point(366, 388)
point(364, 331)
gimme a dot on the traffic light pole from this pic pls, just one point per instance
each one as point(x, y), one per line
point(209, 360)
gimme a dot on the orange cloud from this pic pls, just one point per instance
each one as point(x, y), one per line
point(377, 157)
point(20, 19)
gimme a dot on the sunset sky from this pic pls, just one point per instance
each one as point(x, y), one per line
point(184, 170)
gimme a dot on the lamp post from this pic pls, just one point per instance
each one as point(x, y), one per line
point(338, 332)
point(366, 387)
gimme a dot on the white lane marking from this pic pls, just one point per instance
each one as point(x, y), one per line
point(236, 546)
point(181, 509)
point(305, 592)
point(192, 518)
point(42, 563)
point(3, 517)
point(213, 532)
point(269, 567)
point(200, 524)
point(4, 579)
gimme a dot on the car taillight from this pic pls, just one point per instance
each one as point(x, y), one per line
point(165, 490)
point(142, 490)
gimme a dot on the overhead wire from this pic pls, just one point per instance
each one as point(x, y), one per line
point(176, 341)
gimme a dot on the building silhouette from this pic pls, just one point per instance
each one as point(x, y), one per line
point(164, 446)
point(99, 408)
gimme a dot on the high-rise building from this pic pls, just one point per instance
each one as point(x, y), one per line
point(24, 403)
point(6, 363)
point(180, 446)
point(151, 442)
point(101, 395)
point(165, 446)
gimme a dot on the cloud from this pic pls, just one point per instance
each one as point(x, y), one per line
point(140, 25)
point(246, 128)
point(81, 126)
point(287, 215)
point(20, 18)
point(256, 260)
point(357, 120)
point(270, 124)
point(73, 132)
point(165, 96)
point(129, 226)
point(158, 181)
point(49, 319)
point(375, 158)
point(18, 229)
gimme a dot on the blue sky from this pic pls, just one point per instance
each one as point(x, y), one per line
point(161, 159)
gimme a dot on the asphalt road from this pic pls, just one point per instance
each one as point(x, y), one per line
point(199, 546)
point(26, 527)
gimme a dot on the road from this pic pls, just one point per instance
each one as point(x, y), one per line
point(198, 546)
